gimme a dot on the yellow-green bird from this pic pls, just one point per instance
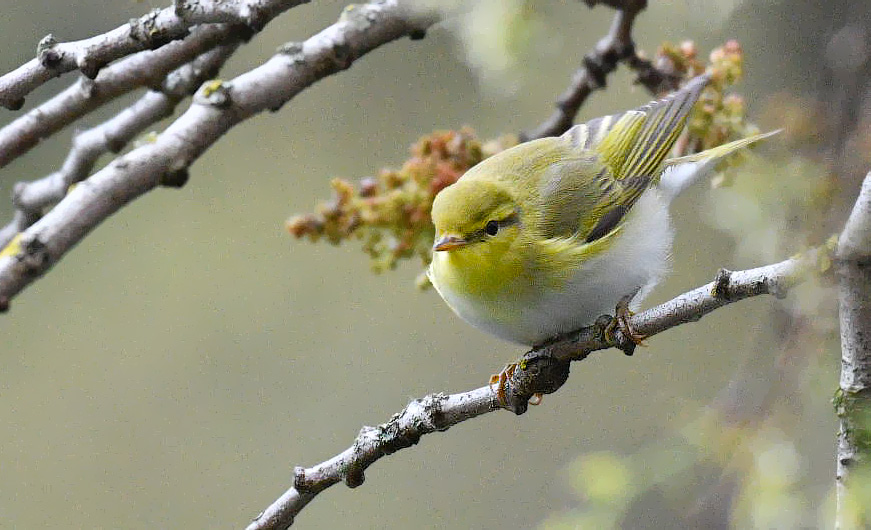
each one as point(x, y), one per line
point(543, 238)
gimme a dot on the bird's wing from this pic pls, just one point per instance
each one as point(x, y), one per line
point(620, 156)
point(640, 139)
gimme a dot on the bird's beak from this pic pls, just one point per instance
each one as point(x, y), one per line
point(449, 243)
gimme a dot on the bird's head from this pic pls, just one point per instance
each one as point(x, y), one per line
point(471, 213)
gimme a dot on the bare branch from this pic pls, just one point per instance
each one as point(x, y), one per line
point(853, 400)
point(217, 107)
point(147, 68)
point(435, 412)
point(543, 370)
point(145, 33)
point(855, 240)
point(438, 412)
point(32, 198)
point(617, 46)
point(254, 14)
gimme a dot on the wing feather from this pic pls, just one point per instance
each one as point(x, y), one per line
point(619, 157)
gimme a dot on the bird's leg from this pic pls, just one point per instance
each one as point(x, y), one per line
point(622, 313)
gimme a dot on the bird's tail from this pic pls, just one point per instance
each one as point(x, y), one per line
point(680, 172)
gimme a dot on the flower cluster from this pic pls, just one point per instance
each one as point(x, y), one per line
point(391, 212)
point(719, 116)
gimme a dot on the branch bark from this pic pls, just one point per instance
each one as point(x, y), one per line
point(144, 69)
point(216, 108)
point(853, 399)
point(32, 198)
point(148, 32)
point(541, 370)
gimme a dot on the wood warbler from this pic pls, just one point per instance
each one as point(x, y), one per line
point(543, 238)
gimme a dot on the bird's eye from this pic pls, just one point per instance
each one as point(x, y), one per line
point(491, 228)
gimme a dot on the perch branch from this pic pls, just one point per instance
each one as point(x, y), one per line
point(853, 399)
point(148, 32)
point(541, 368)
point(216, 108)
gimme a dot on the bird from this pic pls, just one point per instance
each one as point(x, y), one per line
point(545, 237)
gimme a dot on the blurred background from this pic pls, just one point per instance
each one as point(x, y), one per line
point(178, 363)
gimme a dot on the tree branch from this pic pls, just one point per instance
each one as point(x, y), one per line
point(616, 47)
point(32, 198)
point(853, 399)
point(435, 412)
point(216, 108)
point(148, 68)
point(254, 14)
point(148, 32)
point(541, 370)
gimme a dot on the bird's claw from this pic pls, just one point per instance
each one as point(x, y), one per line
point(622, 314)
point(500, 382)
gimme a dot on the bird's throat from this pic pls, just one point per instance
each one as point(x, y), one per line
point(488, 270)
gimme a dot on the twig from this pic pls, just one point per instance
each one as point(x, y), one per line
point(147, 68)
point(617, 46)
point(217, 107)
point(31, 198)
point(438, 412)
point(148, 32)
point(254, 14)
point(853, 400)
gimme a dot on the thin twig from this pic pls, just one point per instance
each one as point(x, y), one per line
point(216, 108)
point(616, 47)
point(148, 32)
point(438, 412)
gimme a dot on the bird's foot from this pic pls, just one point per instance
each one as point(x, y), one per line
point(498, 384)
point(622, 313)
